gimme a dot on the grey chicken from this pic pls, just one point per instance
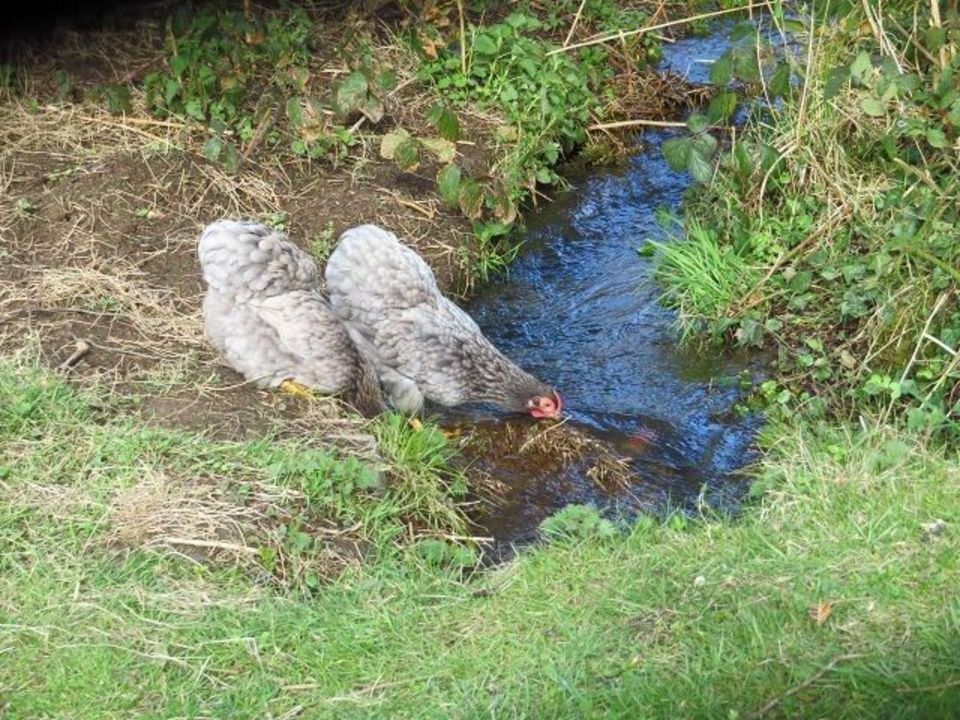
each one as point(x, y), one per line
point(421, 344)
point(264, 312)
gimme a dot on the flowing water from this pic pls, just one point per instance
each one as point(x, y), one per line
point(579, 309)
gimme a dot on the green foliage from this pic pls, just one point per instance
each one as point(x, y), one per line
point(241, 74)
point(752, 66)
point(578, 523)
point(845, 206)
point(546, 101)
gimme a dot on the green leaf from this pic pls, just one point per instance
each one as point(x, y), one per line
point(471, 198)
point(387, 80)
point(444, 150)
point(445, 121)
point(835, 80)
point(873, 107)
point(700, 167)
point(705, 144)
point(698, 123)
point(937, 138)
point(483, 44)
point(448, 183)
point(722, 70)
point(352, 92)
point(677, 152)
point(860, 66)
point(722, 107)
point(780, 82)
point(407, 155)
point(295, 112)
point(391, 141)
point(954, 115)
point(212, 149)
point(230, 158)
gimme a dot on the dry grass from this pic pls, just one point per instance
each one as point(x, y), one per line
point(566, 445)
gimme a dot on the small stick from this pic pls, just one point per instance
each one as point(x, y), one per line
point(261, 132)
point(640, 31)
point(210, 544)
point(82, 348)
point(935, 17)
point(647, 123)
point(576, 19)
point(463, 38)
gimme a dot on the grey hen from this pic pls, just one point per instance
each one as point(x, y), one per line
point(421, 344)
point(264, 312)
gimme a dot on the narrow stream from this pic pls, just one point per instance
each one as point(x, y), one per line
point(580, 310)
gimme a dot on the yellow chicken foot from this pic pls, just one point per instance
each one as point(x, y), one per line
point(296, 389)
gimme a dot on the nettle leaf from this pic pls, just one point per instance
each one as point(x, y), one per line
point(503, 206)
point(212, 149)
point(486, 232)
point(483, 44)
point(699, 166)
point(835, 80)
point(387, 80)
point(448, 125)
point(742, 31)
point(722, 107)
point(444, 150)
point(954, 115)
point(698, 123)
point(391, 141)
point(937, 138)
point(407, 155)
point(780, 82)
point(705, 144)
point(352, 92)
point(230, 157)
point(295, 112)
point(448, 183)
point(743, 160)
point(471, 198)
point(747, 67)
point(873, 107)
point(861, 66)
point(722, 70)
point(677, 152)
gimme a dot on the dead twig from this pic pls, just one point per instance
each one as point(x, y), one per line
point(620, 34)
point(573, 26)
point(82, 348)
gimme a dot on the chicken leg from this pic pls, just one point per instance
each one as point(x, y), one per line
point(292, 387)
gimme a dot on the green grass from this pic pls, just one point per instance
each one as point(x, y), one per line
point(708, 618)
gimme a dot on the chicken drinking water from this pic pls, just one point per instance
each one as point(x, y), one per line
point(421, 344)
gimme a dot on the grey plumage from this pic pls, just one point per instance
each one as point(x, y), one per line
point(264, 312)
point(421, 344)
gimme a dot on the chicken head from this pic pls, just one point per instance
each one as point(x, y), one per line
point(542, 406)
